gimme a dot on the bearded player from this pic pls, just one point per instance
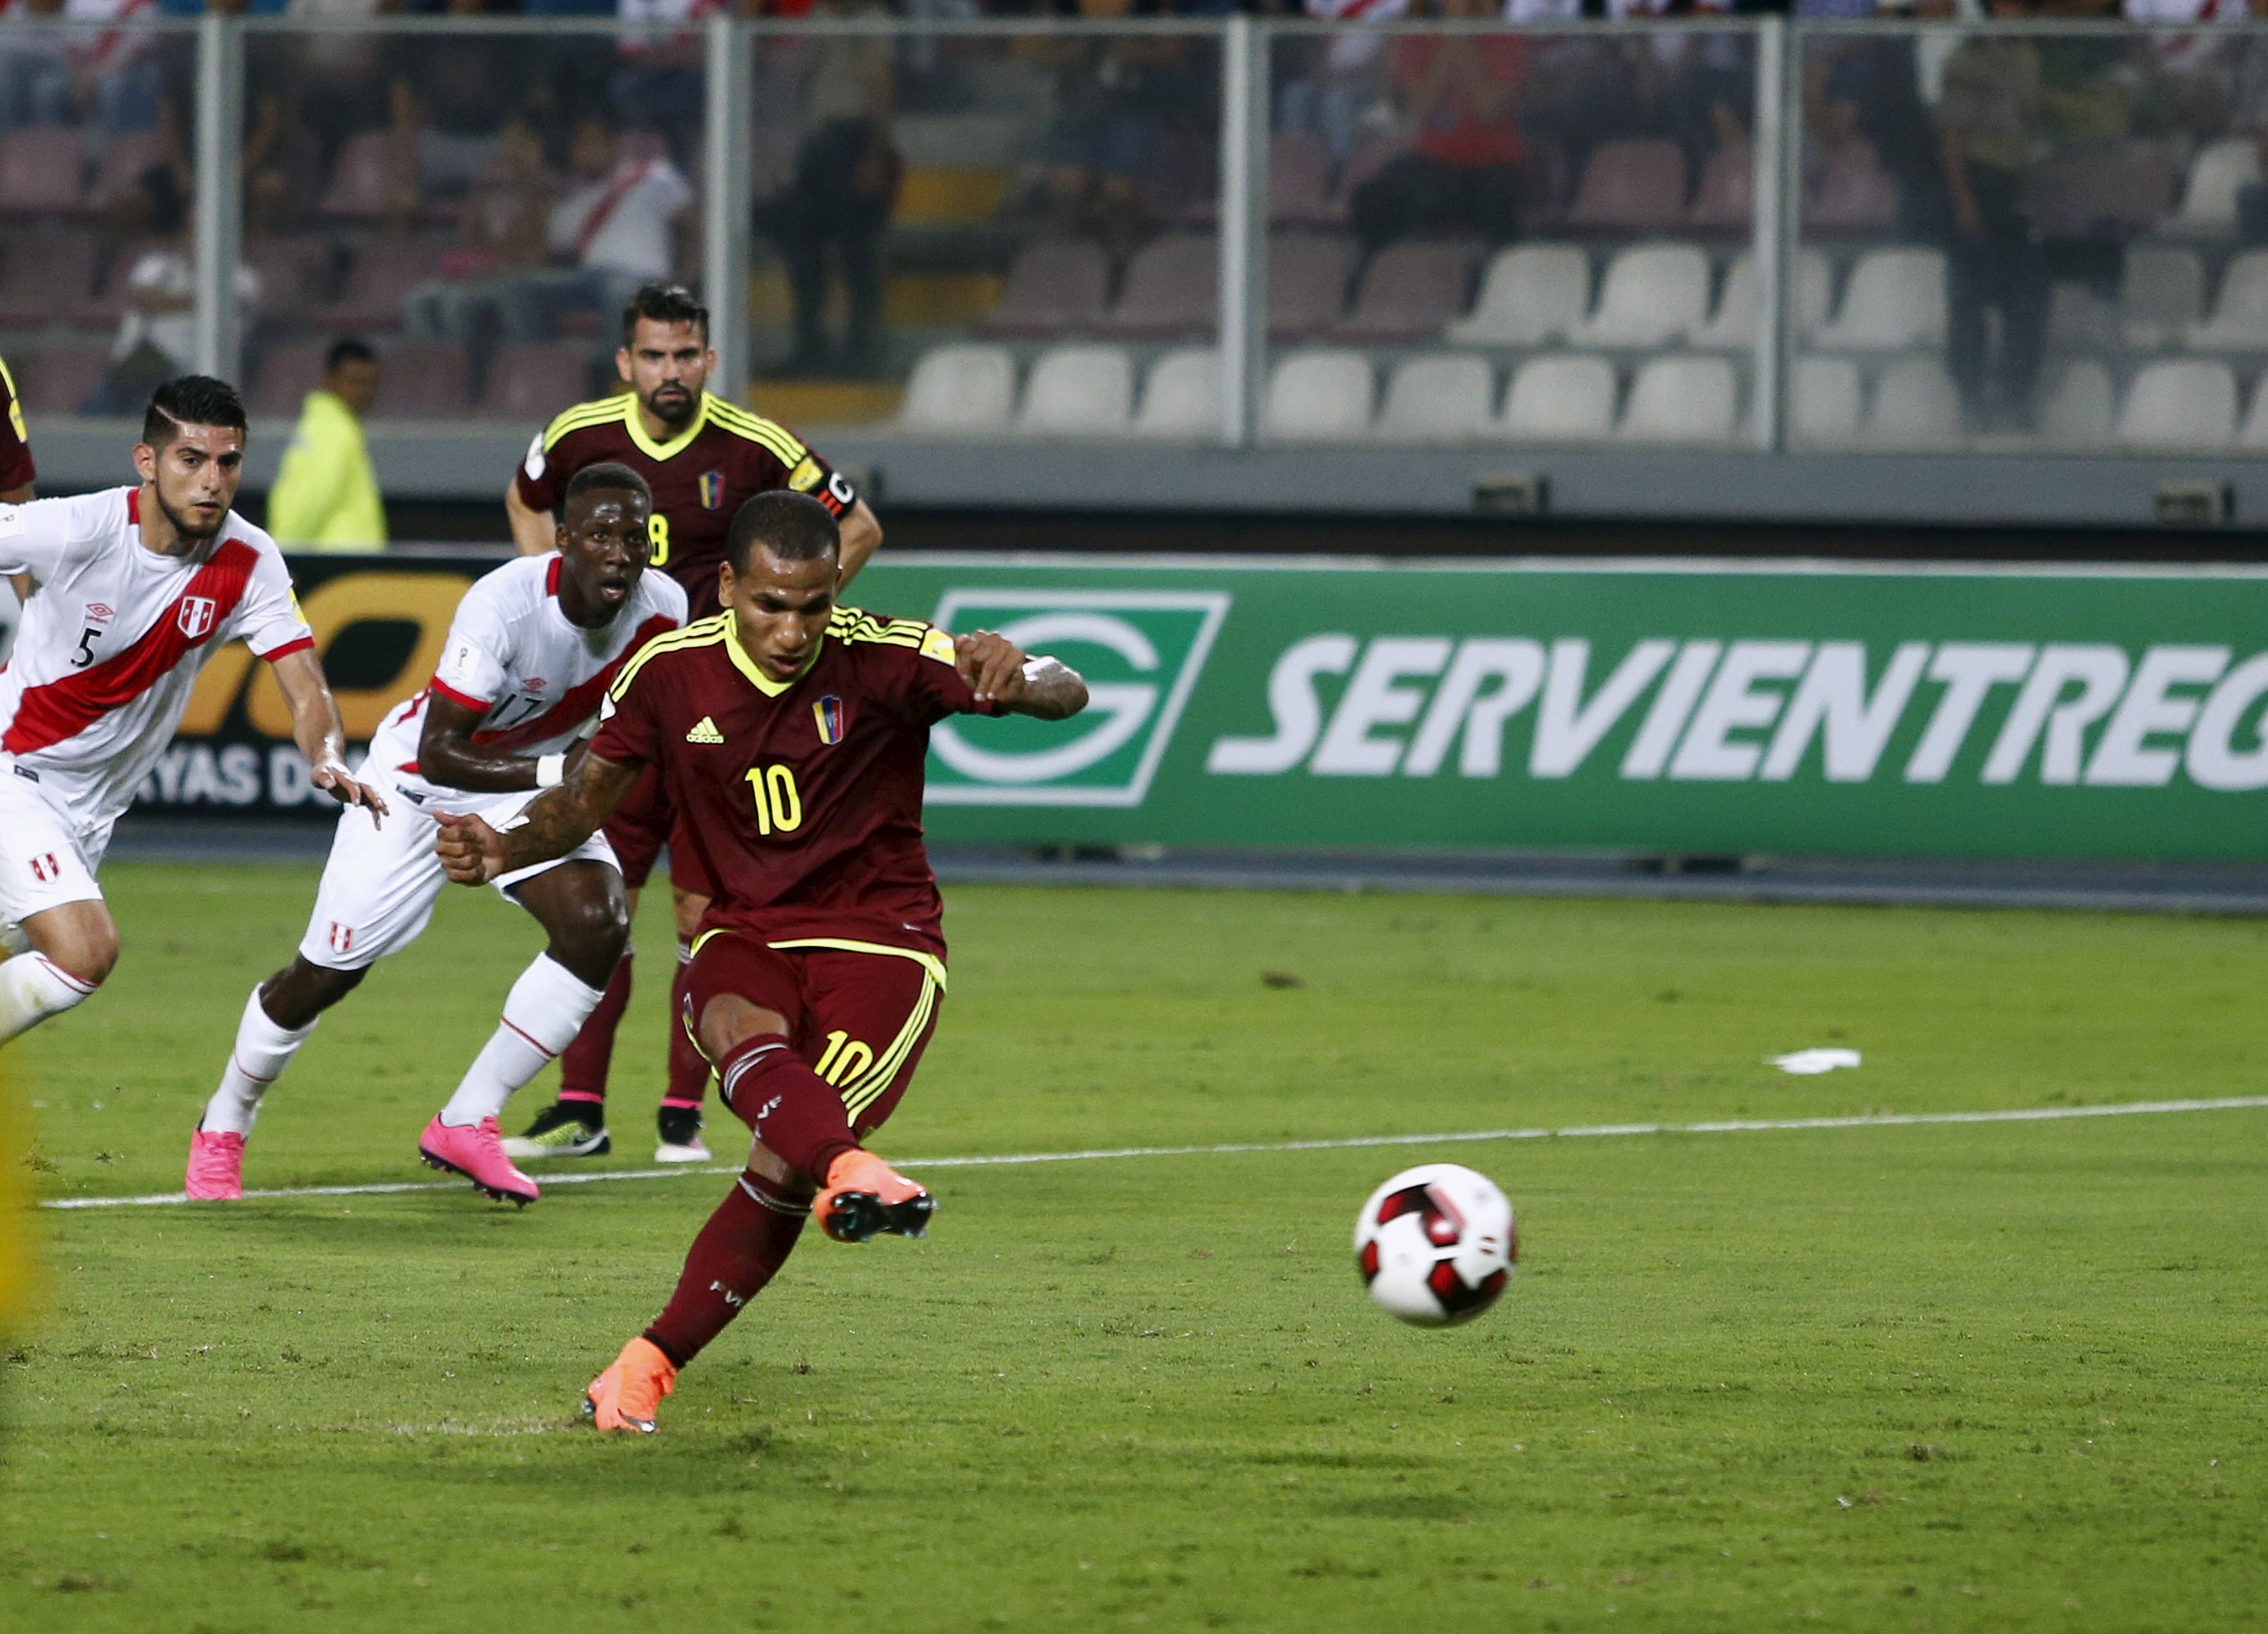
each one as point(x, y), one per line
point(791, 734)
point(703, 456)
point(531, 652)
point(136, 588)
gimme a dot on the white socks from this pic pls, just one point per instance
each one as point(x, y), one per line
point(545, 1010)
point(33, 987)
point(262, 1050)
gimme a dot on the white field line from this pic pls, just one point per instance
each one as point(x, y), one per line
point(1721, 1126)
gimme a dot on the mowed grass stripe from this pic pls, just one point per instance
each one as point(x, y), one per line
point(1720, 1126)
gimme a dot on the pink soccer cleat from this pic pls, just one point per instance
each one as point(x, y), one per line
point(476, 1151)
point(216, 1168)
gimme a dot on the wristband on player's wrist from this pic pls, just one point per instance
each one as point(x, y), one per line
point(550, 771)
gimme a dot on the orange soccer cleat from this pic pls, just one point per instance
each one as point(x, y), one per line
point(628, 1395)
point(865, 1196)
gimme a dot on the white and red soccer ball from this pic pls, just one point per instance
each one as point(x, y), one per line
point(1436, 1244)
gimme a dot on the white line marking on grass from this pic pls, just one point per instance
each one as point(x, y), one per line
point(1720, 1126)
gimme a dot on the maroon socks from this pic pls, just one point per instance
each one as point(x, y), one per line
point(583, 1067)
point(792, 1110)
point(741, 1248)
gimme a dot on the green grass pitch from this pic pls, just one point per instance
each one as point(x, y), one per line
point(1998, 1376)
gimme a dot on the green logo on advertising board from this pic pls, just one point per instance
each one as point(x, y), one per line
point(1141, 652)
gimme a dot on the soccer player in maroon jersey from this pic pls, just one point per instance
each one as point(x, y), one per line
point(791, 733)
point(703, 456)
point(16, 471)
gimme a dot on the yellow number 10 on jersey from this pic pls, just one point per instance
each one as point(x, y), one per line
point(778, 805)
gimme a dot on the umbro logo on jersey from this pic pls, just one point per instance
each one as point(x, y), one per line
point(101, 612)
point(705, 732)
point(197, 615)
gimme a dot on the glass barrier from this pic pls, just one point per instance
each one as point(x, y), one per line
point(2028, 240)
point(1533, 238)
point(97, 288)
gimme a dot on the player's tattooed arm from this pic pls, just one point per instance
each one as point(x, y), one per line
point(447, 753)
point(1002, 674)
point(554, 823)
point(320, 733)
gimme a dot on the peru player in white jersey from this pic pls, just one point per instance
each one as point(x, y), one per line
point(135, 588)
point(530, 653)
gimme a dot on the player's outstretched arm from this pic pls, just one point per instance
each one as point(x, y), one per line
point(556, 822)
point(1002, 674)
point(320, 733)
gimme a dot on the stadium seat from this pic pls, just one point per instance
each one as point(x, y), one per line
point(384, 270)
point(120, 170)
point(1895, 299)
point(1824, 401)
point(2254, 434)
point(1850, 195)
point(57, 380)
point(1531, 294)
point(295, 275)
point(2161, 293)
point(1439, 398)
point(2208, 207)
point(44, 276)
point(1054, 286)
point(1631, 187)
point(373, 174)
point(2240, 317)
point(2080, 319)
point(1651, 294)
point(1726, 200)
point(960, 391)
point(1733, 327)
point(2186, 405)
point(2079, 413)
point(1915, 406)
point(286, 374)
point(1410, 292)
point(40, 168)
point(529, 379)
point(1307, 274)
point(1686, 398)
point(1560, 397)
point(427, 382)
point(1171, 288)
point(1299, 181)
point(1079, 391)
point(1316, 396)
point(1181, 398)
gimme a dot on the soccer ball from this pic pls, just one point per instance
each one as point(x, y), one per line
point(1436, 1244)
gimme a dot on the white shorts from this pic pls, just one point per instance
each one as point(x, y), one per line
point(381, 882)
point(47, 856)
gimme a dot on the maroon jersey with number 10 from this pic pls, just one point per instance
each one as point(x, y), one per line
point(801, 800)
point(16, 468)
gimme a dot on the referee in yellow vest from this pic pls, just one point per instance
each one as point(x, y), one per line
point(325, 495)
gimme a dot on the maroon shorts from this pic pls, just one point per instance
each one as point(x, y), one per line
point(861, 1016)
point(640, 827)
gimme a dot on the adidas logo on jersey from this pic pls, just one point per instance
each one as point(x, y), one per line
point(705, 732)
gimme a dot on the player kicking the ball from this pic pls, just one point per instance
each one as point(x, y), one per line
point(134, 589)
point(791, 734)
point(530, 654)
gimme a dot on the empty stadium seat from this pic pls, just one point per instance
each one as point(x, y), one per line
point(1560, 397)
point(1651, 294)
point(964, 390)
point(2161, 293)
point(1079, 391)
point(1532, 293)
point(1851, 193)
point(1635, 186)
point(427, 382)
point(2208, 206)
point(529, 379)
point(1915, 406)
point(1410, 292)
point(1172, 287)
point(1682, 399)
point(384, 270)
point(1299, 180)
point(1318, 395)
point(1732, 326)
point(2175, 406)
point(2240, 317)
point(1725, 199)
point(1895, 299)
point(1182, 397)
point(56, 380)
point(40, 167)
point(1824, 401)
point(1437, 398)
point(2079, 412)
point(2254, 434)
point(1307, 274)
point(1053, 285)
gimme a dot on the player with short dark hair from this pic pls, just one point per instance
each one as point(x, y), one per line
point(531, 652)
point(705, 457)
point(791, 733)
